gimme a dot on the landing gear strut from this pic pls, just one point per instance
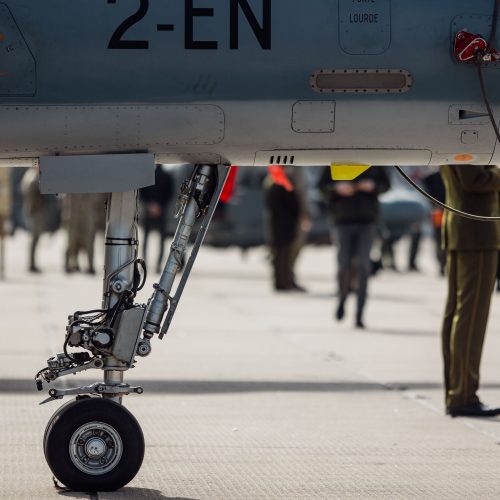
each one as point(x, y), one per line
point(93, 443)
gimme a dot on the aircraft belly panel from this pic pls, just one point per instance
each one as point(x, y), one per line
point(308, 157)
point(468, 158)
point(17, 65)
point(191, 157)
point(424, 125)
point(109, 128)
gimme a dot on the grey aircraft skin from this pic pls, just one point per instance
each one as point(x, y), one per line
point(234, 81)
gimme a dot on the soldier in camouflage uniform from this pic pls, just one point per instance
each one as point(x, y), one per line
point(5, 212)
point(81, 214)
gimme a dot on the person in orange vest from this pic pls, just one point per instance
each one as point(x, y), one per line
point(287, 217)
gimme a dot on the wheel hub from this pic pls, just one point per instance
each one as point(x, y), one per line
point(95, 448)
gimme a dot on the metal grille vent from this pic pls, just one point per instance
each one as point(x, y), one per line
point(282, 160)
point(361, 81)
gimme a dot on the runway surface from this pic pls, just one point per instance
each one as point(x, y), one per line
point(255, 395)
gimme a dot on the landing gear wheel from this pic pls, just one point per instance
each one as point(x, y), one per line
point(93, 445)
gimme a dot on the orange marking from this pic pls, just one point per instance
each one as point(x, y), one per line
point(464, 157)
point(2, 37)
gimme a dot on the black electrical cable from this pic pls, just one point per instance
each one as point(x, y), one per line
point(482, 218)
point(142, 263)
point(65, 349)
point(115, 310)
point(479, 64)
point(486, 100)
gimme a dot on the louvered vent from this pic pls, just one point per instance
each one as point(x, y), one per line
point(282, 160)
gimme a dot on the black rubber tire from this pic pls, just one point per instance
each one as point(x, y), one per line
point(51, 419)
point(68, 419)
point(49, 424)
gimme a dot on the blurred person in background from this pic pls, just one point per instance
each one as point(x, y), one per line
point(288, 219)
point(5, 213)
point(155, 200)
point(403, 214)
point(226, 195)
point(82, 215)
point(498, 273)
point(300, 183)
point(416, 173)
point(472, 258)
point(354, 208)
point(415, 240)
point(433, 184)
point(41, 213)
point(17, 218)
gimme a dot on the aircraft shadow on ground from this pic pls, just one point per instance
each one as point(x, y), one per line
point(394, 298)
point(135, 493)
point(197, 387)
point(404, 331)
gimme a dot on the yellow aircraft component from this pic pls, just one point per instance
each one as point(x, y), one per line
point(347, 172)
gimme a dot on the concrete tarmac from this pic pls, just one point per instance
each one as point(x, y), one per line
point(255, 395)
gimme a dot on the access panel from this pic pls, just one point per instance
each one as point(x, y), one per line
point(364, 26)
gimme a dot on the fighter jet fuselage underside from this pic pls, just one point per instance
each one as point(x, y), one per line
point(244, 82)
point(96, 92)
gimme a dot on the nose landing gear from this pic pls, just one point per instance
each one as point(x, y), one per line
point(93, 443)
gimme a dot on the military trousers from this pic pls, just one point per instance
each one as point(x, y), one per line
point(471, 279)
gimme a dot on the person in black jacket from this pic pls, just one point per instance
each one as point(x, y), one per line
point(155, 200)
point(354, 209)
point(434, 185)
